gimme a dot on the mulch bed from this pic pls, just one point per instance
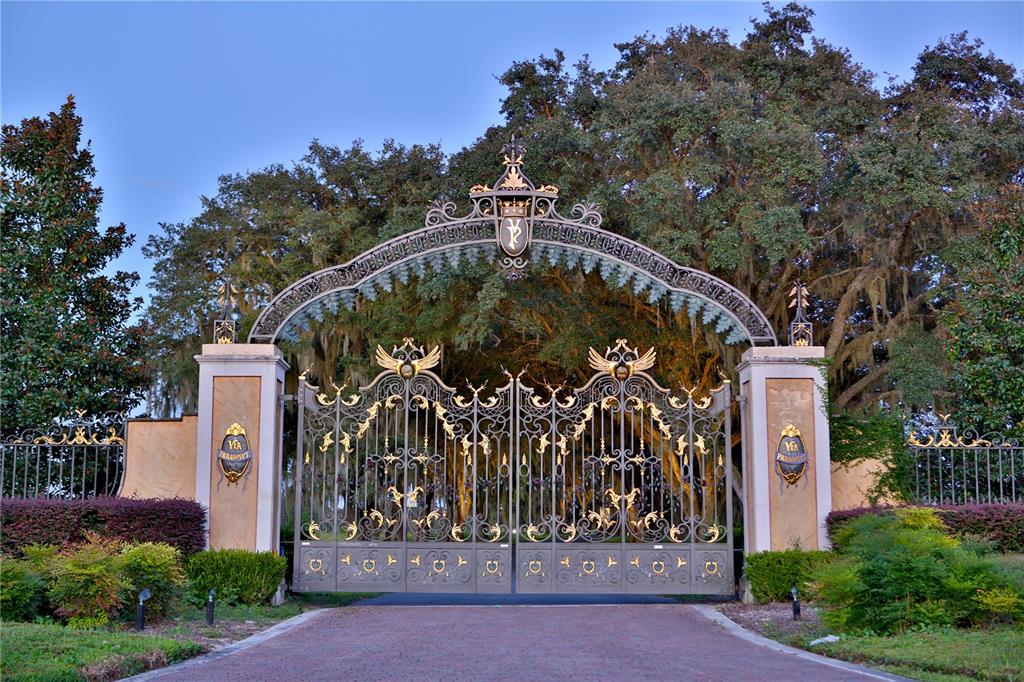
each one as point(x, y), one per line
point(774, 620)
point(210, 637)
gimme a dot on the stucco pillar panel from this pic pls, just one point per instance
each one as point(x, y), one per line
point(240, 384)
point(780, 386)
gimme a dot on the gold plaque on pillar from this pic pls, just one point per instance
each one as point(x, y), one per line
point(791, 456)
point(234, 456)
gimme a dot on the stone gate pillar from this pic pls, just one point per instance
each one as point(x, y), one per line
point(238, 441)
point(787, 485)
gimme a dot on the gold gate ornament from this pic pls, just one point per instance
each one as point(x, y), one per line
point(791, 456)
point(234, 456)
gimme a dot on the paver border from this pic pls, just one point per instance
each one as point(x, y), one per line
point(738, 630)
point(241, 645)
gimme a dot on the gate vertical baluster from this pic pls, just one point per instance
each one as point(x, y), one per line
point(300, 437)
point(515, 494)
point(1002, 495)
point(727, 411)
point(1013, 475)
point(24, 485)
point(49, 453)
point(689, 473)
point(476, 482)
point(511, 515)
point(915, 456)
point(35, 491)
point(551, 470)
point(335, 501)
point(623, 509)
point(404, 501)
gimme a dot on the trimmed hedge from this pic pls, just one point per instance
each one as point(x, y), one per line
point(239, 576)
point(771, 575)
point(176, 522)
point(1000, 524)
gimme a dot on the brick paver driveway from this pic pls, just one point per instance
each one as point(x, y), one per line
point(589, 642)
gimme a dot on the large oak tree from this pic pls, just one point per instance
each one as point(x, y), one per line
point(762, 162)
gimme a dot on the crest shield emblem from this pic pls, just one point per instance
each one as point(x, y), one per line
point(791, 456)
point(234, 456)
point(514, 227)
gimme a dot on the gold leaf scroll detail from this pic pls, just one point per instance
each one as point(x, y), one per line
point(440, 411)
point(371, 414)
point(514, 180)
point(588, 415)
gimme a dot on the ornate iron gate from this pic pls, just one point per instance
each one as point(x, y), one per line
point(618, 486)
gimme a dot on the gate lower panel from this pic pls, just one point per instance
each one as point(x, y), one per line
point(401, 567)
point(630, 568)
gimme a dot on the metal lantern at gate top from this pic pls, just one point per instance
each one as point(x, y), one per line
point(514, 201)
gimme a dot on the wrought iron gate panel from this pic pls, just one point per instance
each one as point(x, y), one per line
point(623, 487)
point(405, 484)
point(618, 486)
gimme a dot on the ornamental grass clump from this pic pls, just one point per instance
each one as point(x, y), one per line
point(899, 570)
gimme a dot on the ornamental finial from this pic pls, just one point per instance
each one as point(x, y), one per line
point(801, 333)
point(512, 152)
point(224, 327)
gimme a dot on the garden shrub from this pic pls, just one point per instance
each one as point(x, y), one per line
point(900, 569)
point(1000, 524)
point(87, 584)
point(239, 576)
point(21, 590)
point(158, 567)
point(771, 575)
point(179, 523)
point(90, 582)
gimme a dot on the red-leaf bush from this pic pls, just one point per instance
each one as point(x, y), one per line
point(1000, 524)
point(176, 522)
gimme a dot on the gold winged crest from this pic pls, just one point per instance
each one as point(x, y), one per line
point(621, 361)
point(408, 359)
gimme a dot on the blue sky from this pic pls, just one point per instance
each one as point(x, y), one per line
point(175, 94)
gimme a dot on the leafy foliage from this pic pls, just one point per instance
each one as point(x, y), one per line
point(239, 576)
point(92, 581)
point(158, 567)
point(760, 162)
point(65, 337)
point(87, 585)
point(875, 437)
point(21, 590)
point(772, 575)
point(986, 323)
point(901, 570)
point(179, 523)
point(1002, 525)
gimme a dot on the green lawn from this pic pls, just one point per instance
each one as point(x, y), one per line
point(939, 655)
point(51, 653)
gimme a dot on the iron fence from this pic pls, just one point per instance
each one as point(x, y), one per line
point(963, 467)
point(77, 457)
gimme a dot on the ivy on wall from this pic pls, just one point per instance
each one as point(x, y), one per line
point(879, 437)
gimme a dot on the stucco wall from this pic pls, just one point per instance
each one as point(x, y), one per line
point(851, 483)
point(160, 460)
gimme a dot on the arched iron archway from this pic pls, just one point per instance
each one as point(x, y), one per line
point(513, 224)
